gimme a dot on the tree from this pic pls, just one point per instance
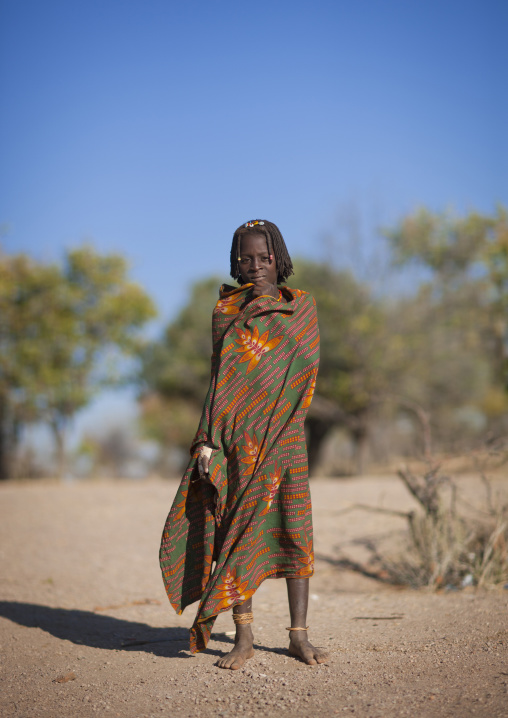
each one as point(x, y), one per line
point(358, 360)
point(176, 370)
point(438, 353)
point(466, 300)
point(64, 331)
point(25, 327)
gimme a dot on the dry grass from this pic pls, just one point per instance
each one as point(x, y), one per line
point(449, 542)
point(446, 547)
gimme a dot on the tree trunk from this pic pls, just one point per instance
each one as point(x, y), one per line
point(316, 432)
point(4, 441)
point(323, 416)
point(361, 447)
point(59, 436)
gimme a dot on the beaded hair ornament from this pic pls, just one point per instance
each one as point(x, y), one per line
point(252, 224)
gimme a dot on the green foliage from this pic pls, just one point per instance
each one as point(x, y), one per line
point(445, 244)
point(354, 367)
point(28, 299)
point(440, 352)
point(463, 307)
point(176, 370)
point(179, 364)
point(57, 324)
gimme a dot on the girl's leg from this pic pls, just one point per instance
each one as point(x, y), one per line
point(244, 640)
point(299, 644)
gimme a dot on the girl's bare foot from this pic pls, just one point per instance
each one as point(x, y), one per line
point(242, 651)
point(301, 647)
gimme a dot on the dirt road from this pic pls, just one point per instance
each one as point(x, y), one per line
point(86, 629)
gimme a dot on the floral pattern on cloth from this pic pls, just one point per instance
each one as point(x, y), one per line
point(230, 590)
point(229, 305)
point(253, 454)
point(253, 347)
point(272, 489)
point(308, 558)
point(252, 520)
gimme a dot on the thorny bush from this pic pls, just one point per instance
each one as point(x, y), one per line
point(450, 543)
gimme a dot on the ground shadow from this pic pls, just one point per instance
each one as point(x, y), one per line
point(348, 565)
point(86, 628)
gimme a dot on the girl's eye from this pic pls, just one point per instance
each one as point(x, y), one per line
point(247, 260)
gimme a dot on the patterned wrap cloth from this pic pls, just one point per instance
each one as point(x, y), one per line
point(253, 519)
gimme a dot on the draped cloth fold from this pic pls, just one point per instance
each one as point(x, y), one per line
point(253, 519)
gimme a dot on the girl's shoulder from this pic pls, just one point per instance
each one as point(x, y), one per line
point(301, 294)
point(230, 299)
point(226, 290)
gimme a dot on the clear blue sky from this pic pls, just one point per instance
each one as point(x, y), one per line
point(155, 127)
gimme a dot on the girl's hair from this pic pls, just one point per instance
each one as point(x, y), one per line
point(275, 245)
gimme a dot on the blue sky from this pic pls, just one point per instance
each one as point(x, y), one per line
point(156, 127)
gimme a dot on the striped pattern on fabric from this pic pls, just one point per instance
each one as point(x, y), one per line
point(253, 520)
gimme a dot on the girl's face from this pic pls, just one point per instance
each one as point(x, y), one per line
point(255, 264)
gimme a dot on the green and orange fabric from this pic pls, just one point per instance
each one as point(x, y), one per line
point(253, 519)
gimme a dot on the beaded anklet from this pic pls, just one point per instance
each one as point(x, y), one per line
point(240, 619)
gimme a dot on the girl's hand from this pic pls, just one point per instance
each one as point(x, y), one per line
point(204, 462)
point(264, 287)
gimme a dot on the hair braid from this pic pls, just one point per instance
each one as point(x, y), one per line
point(278, 249)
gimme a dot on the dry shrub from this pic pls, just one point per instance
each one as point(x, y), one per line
point(448, 547)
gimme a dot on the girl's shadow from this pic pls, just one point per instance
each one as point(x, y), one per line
point(97, 631)
point(86, 628)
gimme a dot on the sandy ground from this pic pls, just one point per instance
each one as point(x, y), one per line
point(86, 629)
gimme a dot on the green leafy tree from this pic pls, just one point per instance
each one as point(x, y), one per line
point(354, 361)
point(27, 292)
point(176, 370)
point(462, 309)
point(438, 353)
point(64, 333)
point(359, 362)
